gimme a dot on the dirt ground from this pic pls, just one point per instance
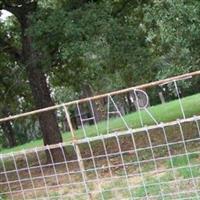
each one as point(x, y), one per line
point(114, 168)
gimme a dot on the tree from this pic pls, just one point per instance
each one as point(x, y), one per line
point(173, 34)
point(97, 46)
point(94, 44)
point(9, 99)
point(29, 57)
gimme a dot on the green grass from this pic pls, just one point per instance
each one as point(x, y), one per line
point(182, 160)
point(151, 188)
point(162, 113)
point(183, 166)
point(3, 198)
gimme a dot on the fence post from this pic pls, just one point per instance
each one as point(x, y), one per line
point(78, 153)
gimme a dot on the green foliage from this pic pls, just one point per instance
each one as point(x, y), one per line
point(148, 39)
point(104, 44)
point(176, 36)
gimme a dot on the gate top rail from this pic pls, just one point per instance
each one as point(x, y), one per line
point(143, 86)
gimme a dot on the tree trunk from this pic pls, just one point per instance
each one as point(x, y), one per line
point(41, 93)
point(37, 79)
point(8, 130)
point(9, 133)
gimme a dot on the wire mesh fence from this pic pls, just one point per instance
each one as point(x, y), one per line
point(109, 154)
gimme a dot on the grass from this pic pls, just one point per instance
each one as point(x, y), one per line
point(183, 172)
point(162, 113)
point(155, 184)
point(159, 184)
point(151, 188)
point(183, 165)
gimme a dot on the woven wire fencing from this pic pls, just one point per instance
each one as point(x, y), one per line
point(111, 153)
